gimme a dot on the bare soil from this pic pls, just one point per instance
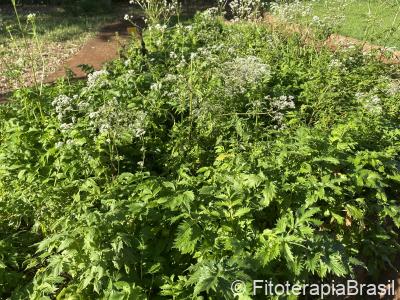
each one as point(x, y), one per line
point(96, 52)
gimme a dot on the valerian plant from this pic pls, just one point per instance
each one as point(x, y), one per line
point(228, 151)
point(158, 11)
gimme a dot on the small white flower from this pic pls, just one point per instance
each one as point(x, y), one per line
point(335, 63)
point(193, 56)
point(170, 78)
point(31, 17)
point(93, 115)
point(140, 132)
point(59, 144)
point(127, 62)
point(371, 104)
point(394, 88)
point(283, 103)
point(160, 27)
point(156, 86)
point(65, 126)
point(62, 105)
point(316, 19)
point(103, 128)
point(83, 105)
point(241, 72)
point(93, 77)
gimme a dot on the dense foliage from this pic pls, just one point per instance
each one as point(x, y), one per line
point(227, 152)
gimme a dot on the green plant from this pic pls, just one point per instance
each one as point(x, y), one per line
point(372, 21)
point(46, 41)
point(246, 9)
point(158, 11)
point(27, 46)
point(228, 151)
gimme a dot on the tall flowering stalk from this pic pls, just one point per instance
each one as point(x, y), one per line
point(246, 9)
point(158, 11)
point(222, 4)
point(31, 46)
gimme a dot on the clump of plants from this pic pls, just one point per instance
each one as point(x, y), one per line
point(227, 152)
point(21, 38)
point(158, 11)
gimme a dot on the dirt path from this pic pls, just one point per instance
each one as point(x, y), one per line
point(95, 52)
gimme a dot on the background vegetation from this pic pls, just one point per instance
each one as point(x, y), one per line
point(375, 21)
point(220, 151)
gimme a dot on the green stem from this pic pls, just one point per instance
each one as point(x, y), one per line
point(25, 42)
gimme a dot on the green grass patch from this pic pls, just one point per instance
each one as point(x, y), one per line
point(374, 21)
point(57, 26)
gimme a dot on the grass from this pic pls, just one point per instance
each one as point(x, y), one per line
point(59, 26)
point(375, 21)
point(60, 34)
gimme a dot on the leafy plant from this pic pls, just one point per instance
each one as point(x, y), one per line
point(175, 173)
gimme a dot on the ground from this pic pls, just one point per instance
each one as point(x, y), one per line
point(376, 21)
point(60, 35)
point(64, 41)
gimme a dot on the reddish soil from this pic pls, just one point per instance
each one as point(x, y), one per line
point(96, 52)
point(336, 41)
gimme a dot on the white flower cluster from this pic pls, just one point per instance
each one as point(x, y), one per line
point(93, 78)
point(279, 106)
point(282, 103)
point(156, 86)
point(242, 72)
point(62, 105)
point(210, 13)
point(371, 104)
point(246, 9)
point(137, 126)
point(158, 10)
point(65, 107)
point(112, 119)
point(170, 82)
point(222, 6)
point(158, 27)
point(212, 54)
point(394, 87)
point(335, 64)
point(31, 17)
point(127, 17)
point(316, 21)
point(290, 11)
point(61, 144)
point(66, 126)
